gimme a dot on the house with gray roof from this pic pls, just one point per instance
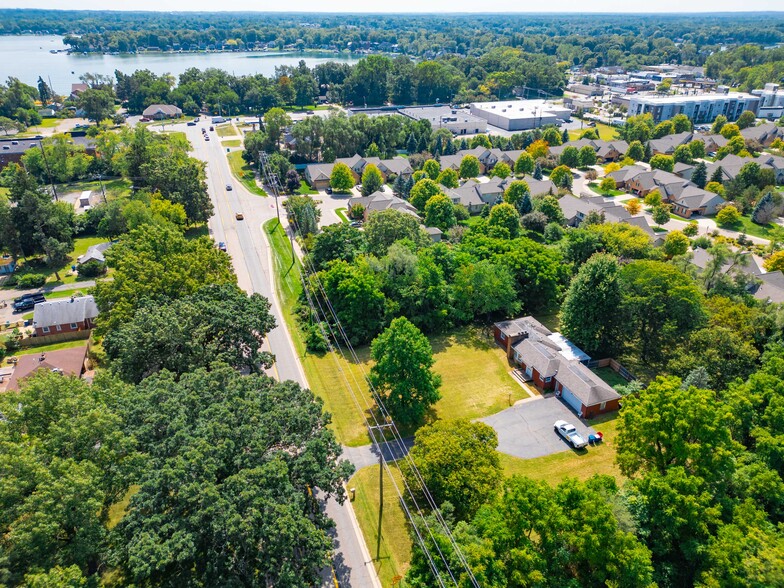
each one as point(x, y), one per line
point(161, 111)
point(669, 143)
point(606, 151)
point(771, 288)
point(540, 359)
point(95, 253)
point(584, 391)
point(383, 201)
point(764, 134)
point(65, 315)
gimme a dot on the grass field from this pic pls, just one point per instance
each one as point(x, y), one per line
point(474, 371)
point(599, 459)
point(606, 132)
point(226, 130)
point(115, 188)
point(244, 173)
point(341, 212)
point(232, 143)
point(392, 558)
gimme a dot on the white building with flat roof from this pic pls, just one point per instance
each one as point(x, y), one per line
point(700, 108)
point(520, 115)
point(459, 121)
point(771, 102)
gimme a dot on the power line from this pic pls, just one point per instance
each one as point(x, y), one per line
point(377, 428)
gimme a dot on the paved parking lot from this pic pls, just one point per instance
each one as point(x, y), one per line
point(526, 429)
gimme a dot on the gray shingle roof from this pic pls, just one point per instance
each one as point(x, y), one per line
point(64, 312)
point(589, 388)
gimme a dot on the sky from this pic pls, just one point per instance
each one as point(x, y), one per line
point(397, 6)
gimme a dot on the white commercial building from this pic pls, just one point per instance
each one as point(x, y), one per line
point(700, 108)
point(771, 104)
point(520, 115)
point(458, 121)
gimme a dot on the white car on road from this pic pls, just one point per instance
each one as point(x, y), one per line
point(570, 434)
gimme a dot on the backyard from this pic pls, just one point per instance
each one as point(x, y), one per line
point(114, 188)
point(244, 172)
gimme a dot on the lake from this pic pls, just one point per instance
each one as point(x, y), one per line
point(27, 56)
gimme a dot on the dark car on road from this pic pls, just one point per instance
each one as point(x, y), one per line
point(229, 188)
point(28, 301)
point(222, 246)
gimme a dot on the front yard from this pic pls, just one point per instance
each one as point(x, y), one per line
point(748, 226)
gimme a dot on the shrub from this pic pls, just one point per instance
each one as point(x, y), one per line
point(30, 281)
point(728, 215)
point(91, 269)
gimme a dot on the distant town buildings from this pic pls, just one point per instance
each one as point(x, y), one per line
point(520, 115)
point(700, 108)
point(458, 121)
point(771, 104)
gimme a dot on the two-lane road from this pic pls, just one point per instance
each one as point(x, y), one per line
point(247, 246)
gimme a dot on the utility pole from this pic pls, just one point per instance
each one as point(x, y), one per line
point(48, 171)
point(380, 500)
point(103, 192)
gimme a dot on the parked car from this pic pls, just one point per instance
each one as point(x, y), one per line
point(229, 188)
point(191, 123)
point(355, 224)
point(144, 119)
point(212, 128)
point(329, 190)
point(570, 434)
point(222, 246)
point(239, 216)
point(28, 301)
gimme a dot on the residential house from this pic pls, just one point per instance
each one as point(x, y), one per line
point(474, 194)
point(435, 233)
point(669, 143)
point(584, 391)
point(66, 315)
point(764, 134)
point(7, 265)
point(162, 111)
point(685, 197)
point(399, 166)
point(382, 201)
point(551, 361)
point(732, 164)
point(95, 253)
point(68, 362)
point(606, 151)
point(772, 288)
point(77, 89)
point(317, 175)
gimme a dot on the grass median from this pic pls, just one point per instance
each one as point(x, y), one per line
point(244, 172)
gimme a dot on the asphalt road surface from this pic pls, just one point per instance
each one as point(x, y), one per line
point(251, 258)
point(526, 429)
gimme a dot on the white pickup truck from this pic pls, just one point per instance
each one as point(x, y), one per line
point(570, 434)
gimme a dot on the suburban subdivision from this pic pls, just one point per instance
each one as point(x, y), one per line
point(391, 300)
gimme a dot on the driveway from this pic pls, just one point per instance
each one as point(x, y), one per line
point(526, 429)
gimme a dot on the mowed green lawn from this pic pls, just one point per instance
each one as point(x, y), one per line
point(606, 132)
point(393, 557)
point(474, 371)
point(244, 173)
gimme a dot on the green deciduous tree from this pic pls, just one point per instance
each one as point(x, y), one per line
point(505, 220)
point(448, 178)
point(440, 212)
point(524, 164)
point(422, 192)
point(483, 288)
point(305, 214)
point(97, 104)
point(636, 151)
point(469, 167)
point(432, 168)
point(372, 180)
point(402, 372)
point(156, 262)
point(341, 179)
point(664, 304)
point(662, 162)
point(592, 313)
point(570, 156)
point(728, 216)
point(458, 463)
point(587, 156)
point(216, 324)
point(675, 243)
point(387, 226)
point(233, 463)
point(338, 241)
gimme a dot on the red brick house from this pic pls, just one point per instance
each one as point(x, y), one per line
point(584, 391)
point(69, 362)
point(65, 316)
point(552, 362)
